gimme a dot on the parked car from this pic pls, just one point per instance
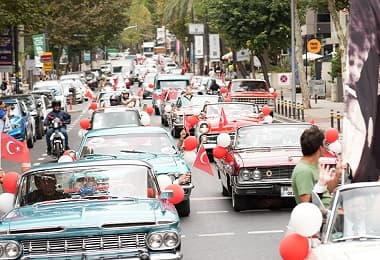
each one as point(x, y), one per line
point(260, 163)
point(45, 106)
point(98, 209)
point(164, 82)
point(176, 118)
point(55, 86)
point(252, 90)
point(352, 229)
point(213, 121)
point(21, 122)
point(35, 108)
point(151, 144)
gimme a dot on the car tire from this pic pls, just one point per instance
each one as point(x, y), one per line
point(29, 141)
point(164, 122)
point(225, 191)
point(238, 202)
point(156, 111)
point(40, 130)
point(183, 208)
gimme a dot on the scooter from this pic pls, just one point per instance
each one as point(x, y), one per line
point(57, 139)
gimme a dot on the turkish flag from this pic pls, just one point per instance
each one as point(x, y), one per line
point(141, 92)
point(13, 150)
point(186, 124)
point(222, 118)
point(202, 162)
point(89, 94)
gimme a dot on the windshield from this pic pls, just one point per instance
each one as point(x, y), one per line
point(56, 89)
point(111, 119)
point(232, 110)
point(268, 135)
point(253, 85)
point(81, 182)
point(357, 214)
point(173, 83)
point(156, 143)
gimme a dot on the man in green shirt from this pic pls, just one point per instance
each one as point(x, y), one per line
point(308, 174)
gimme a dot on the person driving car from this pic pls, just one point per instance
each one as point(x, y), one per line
point(65, 119)
point(114, 100)
point(46, 189)
point(185, 99)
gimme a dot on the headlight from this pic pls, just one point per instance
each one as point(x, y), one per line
point(245, 175)
point(256, 175)
point(15, 126)
point(203, 128)
point(155, 241)
point(163, 240)
point(171, 239)
point(9, 249)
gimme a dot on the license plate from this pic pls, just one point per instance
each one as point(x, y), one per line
point(287, 191)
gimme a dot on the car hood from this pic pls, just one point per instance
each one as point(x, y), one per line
point(87, 214)
point(262, 94)
point(266, 157)
point(350, 250)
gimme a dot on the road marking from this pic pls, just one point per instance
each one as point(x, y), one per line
point(209, 198)
point(36, 164)
point(255, 210)
point(212, 211)
point(41, 159)
point(217, 234)
point(265, 232)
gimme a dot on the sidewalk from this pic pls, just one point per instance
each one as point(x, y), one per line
point(319, 112)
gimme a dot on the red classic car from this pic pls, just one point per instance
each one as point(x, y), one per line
point(252, 90)
point(224, 117)
point(260, 162)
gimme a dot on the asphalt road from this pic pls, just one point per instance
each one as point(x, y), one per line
point(213, 230)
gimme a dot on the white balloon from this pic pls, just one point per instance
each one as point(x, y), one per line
point(168, 108)
point(306, 219)
point(223, 140)
point(6, 202)
point(164, 181)
point(271, 90)
point(145, 120)
point(268, 119)
point(65, 158)
point(189, 157)
point(335, 147)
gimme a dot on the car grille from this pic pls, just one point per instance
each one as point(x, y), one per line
point(258, 101)
point(212, 138)
point(83, 244)
point(279, 172)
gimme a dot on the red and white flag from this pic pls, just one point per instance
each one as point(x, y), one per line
point(14, 150)
point(222, 118)
point(89, 94)
point(202, 162)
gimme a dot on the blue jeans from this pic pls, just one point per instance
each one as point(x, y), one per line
point(50, 131)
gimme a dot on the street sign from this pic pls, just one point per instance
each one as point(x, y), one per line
point(46, 57)
point(314, 46)
point(48, 66)
point(39, 48)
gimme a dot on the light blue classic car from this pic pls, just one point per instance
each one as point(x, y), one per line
point(98, 209)
point(151, 144)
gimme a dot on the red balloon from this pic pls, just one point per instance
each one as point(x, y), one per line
point(10, 182)
point(275, 95)
point(266, 110)
point(294, 247)
point(84, 123)
point(331, 135)
point(178, 193)
point(223, 90)
point(190, 143)
point(149, 110)
point(228, 158)
point(93, 106)
point(192, 120)
point(227, 99)
point(219, 152)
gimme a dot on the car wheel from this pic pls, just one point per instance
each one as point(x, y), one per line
point(29, 141)
point(224, 190)
point(40, 130)
point(238, 202)
point(156, 111)
point(183, 208)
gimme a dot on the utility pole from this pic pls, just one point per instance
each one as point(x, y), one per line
point(207, 41)
point(293, 61)
point(17, 67)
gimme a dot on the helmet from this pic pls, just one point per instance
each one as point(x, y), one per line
point(56, 103)
point(125, 91)
point(114, 100)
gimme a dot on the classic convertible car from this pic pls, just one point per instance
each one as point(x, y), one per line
point(98, 209)
point(263, 158)
point(352, 229)
point(151, 144)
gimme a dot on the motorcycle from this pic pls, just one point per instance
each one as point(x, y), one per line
point(57, 139)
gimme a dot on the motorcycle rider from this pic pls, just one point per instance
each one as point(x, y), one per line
point(125, 100)
point(65, 119)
